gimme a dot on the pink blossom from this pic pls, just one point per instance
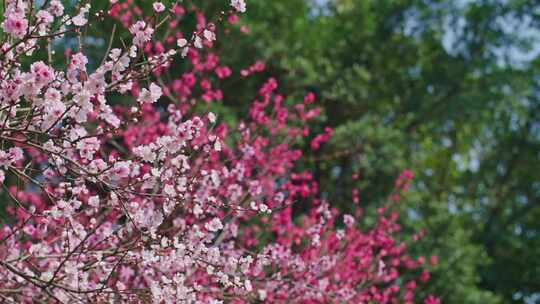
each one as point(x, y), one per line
point(15, 22)
point(158, 7)
point(214, 225)
point(239, 5)
point(56, 8)
point(150, 95)
point(142, 33)
point(432, 300)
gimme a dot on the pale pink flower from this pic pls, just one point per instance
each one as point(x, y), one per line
point(239, 5)
point(87, 147)
point(15, 23)
point(214, 225)
point(152, 95)
point(56, 8)
point(348, 220)
point(158, 7)
point(142, 33)
point(80, 19)
point(182, 42)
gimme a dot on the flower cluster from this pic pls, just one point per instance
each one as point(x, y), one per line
point(150, 200)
